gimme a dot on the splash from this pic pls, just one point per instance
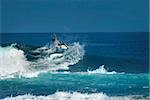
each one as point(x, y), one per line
point(101, 70)
point(13, 61)
point(56, 61)
point(76, 96)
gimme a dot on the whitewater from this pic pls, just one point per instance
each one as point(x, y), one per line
point(15, 64)
point(76, 96)
point(41, 74)
point(13, 61)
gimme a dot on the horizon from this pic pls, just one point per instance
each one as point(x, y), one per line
point(43, 38)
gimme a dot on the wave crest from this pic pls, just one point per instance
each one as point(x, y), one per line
point(101, 70)
point(56, 61)
point(13, 61)
point(76, 96)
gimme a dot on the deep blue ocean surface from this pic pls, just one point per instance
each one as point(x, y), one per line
point(100, 65)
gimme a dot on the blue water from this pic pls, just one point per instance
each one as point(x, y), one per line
point(122, 51)
point(113, 44)
point(126, 53)
point(112, 85)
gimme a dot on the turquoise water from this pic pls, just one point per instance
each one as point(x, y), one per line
point(49, 83)
point(97, 65)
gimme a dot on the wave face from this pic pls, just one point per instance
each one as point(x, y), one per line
point(14, 61)
point(76, 96)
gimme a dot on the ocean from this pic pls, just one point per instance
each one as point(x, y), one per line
point(96, 66)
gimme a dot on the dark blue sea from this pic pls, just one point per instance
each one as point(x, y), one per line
point(96, 66)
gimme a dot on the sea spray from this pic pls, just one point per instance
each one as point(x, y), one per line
point(13, 61)
point(101, 70)
point(56, 61)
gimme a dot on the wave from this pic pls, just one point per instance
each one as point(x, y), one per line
point(57, 61)
point(13, 61)
point(76, 96)
point(33, 74)
point(101, 70)
point(30, 73)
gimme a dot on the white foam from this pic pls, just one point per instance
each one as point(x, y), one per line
point(76, 96)
point(12, 61)
point(58, 61)
point(101, 70)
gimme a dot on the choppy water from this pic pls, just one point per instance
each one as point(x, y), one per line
point(92, 68)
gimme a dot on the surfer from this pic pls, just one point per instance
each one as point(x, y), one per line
point(58, 44)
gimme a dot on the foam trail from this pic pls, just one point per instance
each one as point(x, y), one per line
point(76, 96)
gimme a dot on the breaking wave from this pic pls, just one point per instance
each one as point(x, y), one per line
point(76, 96)
point(13, 61)
point(56, 61)
point(101, 70)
